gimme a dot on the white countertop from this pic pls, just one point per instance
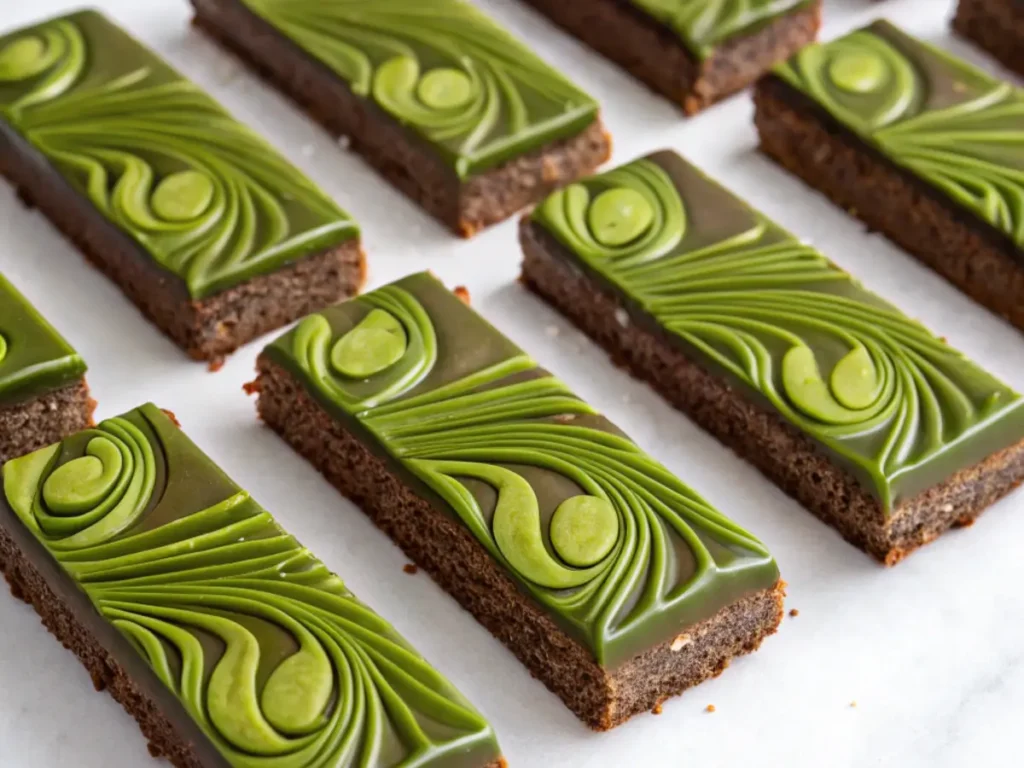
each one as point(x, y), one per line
point(931, 652)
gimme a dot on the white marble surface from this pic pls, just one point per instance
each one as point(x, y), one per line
point(932, 653)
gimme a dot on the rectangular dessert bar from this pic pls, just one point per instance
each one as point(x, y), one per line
point(694, 52)
point(995, 25)
point(611, 580)
point(43, 394)
point(228, 641)
point(878, 427)
point(922, 147)
point(213, 235)
point(446, 105)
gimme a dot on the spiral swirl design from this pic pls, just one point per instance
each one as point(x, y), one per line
point(705, 24)
point(774, 315)
point(207, 198)
point(949, 123)
point(442, 68)
point(605, 538)
point(173, 554)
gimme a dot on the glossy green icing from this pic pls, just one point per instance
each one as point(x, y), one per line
point(949, 123)
point(203, 195)
point(443, 69)
point(703, 25)
point(276, 661)
point(618, 550)
point(34, 359)
point(887, 399)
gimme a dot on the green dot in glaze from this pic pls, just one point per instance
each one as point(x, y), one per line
point(445, 89)
point(617, 550)
point(584, 530)
point(22, 58)
point(619, 216)
point(854, 380)
point(858, 71)
point(277, 662)
point(183, 196)
point(377, 343)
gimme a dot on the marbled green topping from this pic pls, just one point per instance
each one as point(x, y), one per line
point(277, 662)
point(703, 25)
point(199, 192)
point(34, 359)
point(443, 69)
point(618, 550)
point(890, 401)
point(947, 122)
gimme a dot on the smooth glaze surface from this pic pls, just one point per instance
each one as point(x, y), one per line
point(950, 123)
point(526, 465)
point(929, 651)
point(886, 398)
point(474, 92)
point(204, 195)
point(34, 357)
point(274, 658)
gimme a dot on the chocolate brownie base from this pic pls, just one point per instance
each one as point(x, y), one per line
point(974, 256)
point(655, 55)
point(995, 25)
point(206, 329)
point(602, 698)
point(398, 155)
point(785, 455)
point(29, 425)
point(111, 661)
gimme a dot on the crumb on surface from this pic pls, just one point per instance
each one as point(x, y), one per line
point(657, 709)
point(709, 708)
point(215, 365)
point(680, 642)
point(170, 415)
point(251, 388)
point(794, 613)
point(411, 568)
point(462, 292)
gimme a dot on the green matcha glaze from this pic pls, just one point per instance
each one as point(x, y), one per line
point(34, 359)
point(619, 552)
point(276, 661)
point(703, 25)
point(443, 69)
point(947, 122)
point(889, 401)
point(196, 190)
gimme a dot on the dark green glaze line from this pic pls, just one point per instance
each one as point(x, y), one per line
point(621, 553)
point(34, 358)
point(277, 662)
point(949, 123)
point(442, 68)
point(887, 399)
point(703, 25)
point(203, 195)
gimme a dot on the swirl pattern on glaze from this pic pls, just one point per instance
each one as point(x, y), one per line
point(273, 657)
point(869, 383)
point(705, 24)
point(599, 533)
point(205, 196)
point(947, 122)
point(442, 68)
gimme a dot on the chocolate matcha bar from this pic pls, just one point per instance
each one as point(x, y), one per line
point(445, 104)
point(610, 579)
point(878, 427)
point(922, 147)
point(228, 641)
point(995, 25)
point(213, 235)
point(43, 394)
point(694, 52)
